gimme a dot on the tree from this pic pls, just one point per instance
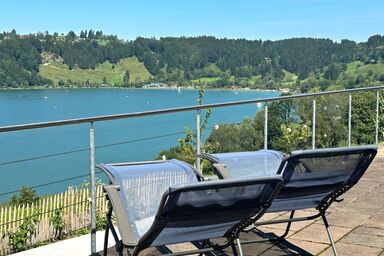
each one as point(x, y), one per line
point(70, 36)
point(332, 71)
point(61, 83)
point(26, 196)
point(83, 34)
point(295, 136)
point(91, 34)
point(363, 118)
point(99, 34)
point(150, 63)
point(375, 41)
point(331, 121)
point(126, 78)
point(236, 137)
point(13, 33)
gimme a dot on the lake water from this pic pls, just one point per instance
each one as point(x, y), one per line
point(50, 155)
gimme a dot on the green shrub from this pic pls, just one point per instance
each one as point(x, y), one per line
point(101, 223)
point(58, 224)
point(20, 239)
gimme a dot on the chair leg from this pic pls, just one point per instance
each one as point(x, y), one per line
point(119, 248)
point(234, 250)
point(279, 238)
point(203, 244)
point(106, 241)
point(329, 234)
point(239, 247)
point(108, 219)
point(119, 244)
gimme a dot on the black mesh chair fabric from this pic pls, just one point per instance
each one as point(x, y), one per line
point(313, 176)
point(211, 209)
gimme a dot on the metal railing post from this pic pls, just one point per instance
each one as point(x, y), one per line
point(377, 117)
point(92, 188)
point(266, 125)
point(198, 140)
point(314, 124)
point(349, 119)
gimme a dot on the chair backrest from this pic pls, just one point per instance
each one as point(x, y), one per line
point(311, 177)
point(250, 163)
point(141, 185)
point(314, 177)
point(210, 209)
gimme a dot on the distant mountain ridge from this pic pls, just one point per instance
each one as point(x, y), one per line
point(93, 58)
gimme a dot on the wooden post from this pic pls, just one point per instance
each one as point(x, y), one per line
point(9, 214)
point(2, 220)
point(71, 208)
point(83, 213)
point(65, 210)
point(22, 214)
point(2, 228)
point(14, 217)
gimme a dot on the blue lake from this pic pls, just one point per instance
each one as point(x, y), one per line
point(35, 157)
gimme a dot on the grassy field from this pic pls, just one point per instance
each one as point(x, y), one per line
point(289, 79)
point(113, 73)
point(353, 66)
point(205, 80)
point(376, 69)
point(358, 67)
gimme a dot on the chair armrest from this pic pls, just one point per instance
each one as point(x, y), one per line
point(223, 172)
point(123, 224)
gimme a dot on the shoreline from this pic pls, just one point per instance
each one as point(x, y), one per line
point(140, 88)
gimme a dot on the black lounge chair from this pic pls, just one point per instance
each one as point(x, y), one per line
point(162, 202)
point(313, 179)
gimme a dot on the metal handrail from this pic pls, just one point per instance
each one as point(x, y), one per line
point(30, 126)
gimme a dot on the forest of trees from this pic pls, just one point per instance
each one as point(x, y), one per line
point(316, 62)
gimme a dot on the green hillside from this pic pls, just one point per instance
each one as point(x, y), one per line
point(359, 68)
point(375, 69)
point(93, 58)
point(112, 74)
point(289, 79)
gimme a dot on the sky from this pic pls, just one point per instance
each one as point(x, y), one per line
point(250, 19)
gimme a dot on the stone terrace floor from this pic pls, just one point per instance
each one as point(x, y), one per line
point(357, 224)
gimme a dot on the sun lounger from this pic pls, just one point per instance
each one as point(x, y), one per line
point(313, 179)
point(162, 202)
